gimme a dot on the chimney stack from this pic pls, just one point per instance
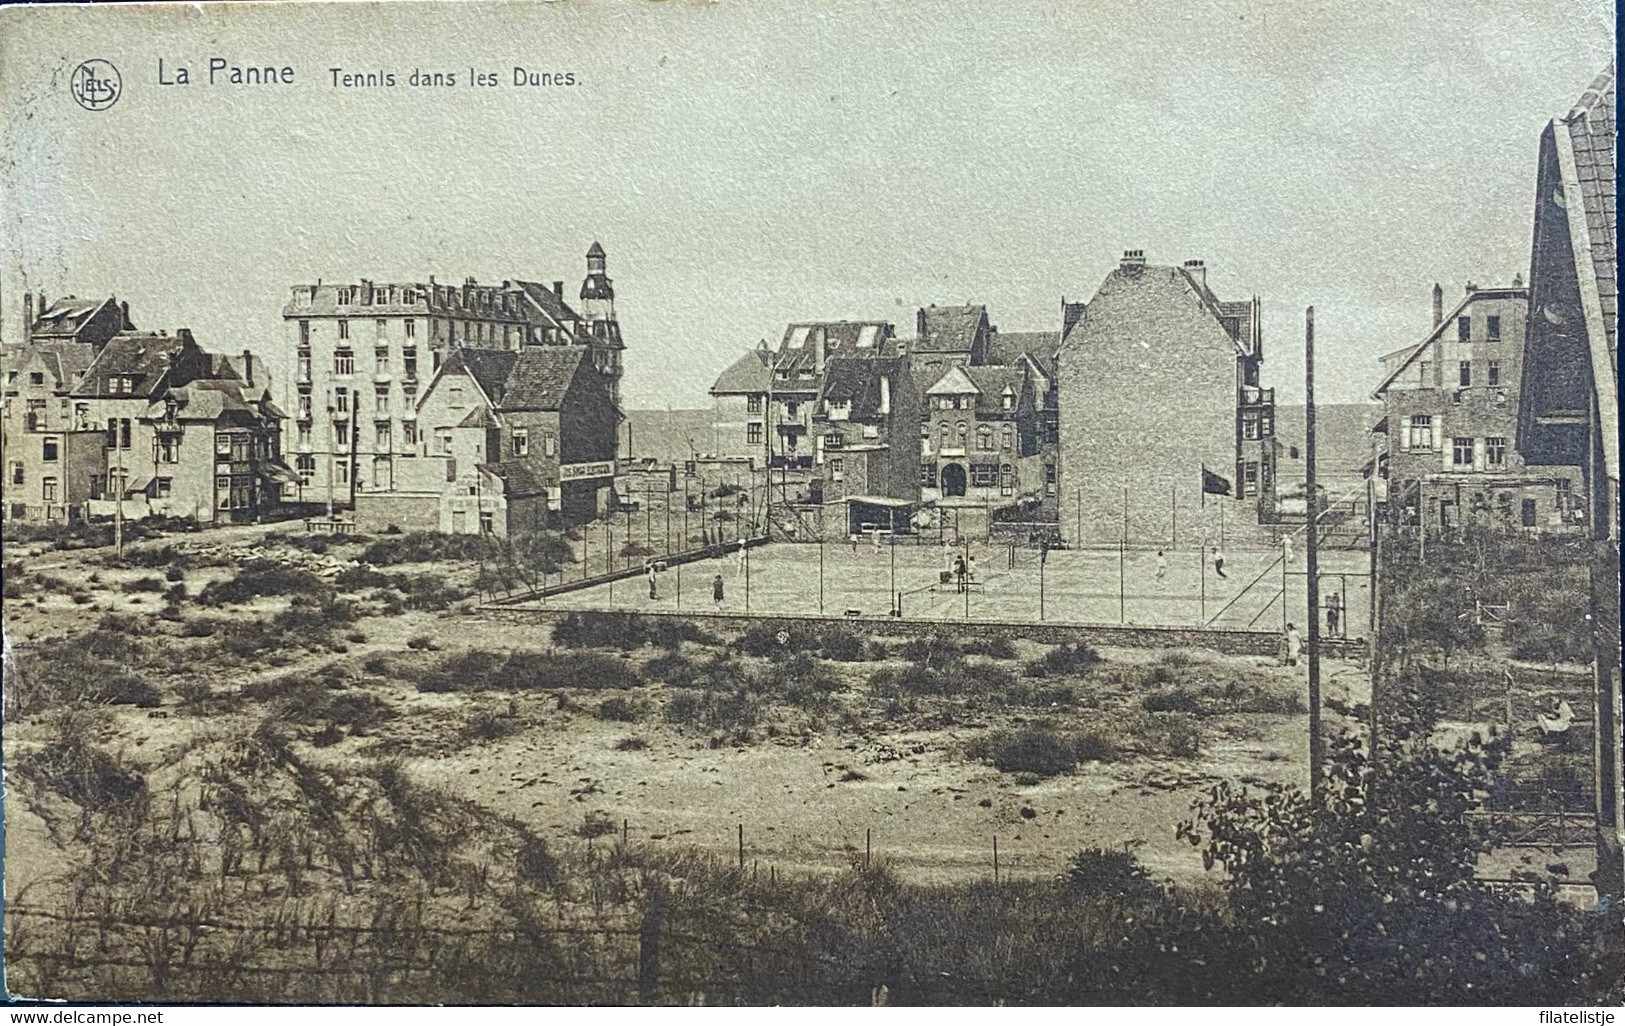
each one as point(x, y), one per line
point(919, 324)
point(1438, 304)
point(124, 313)
point(1197, 269)
point(248, 368)
point(1132, 258)
point(28, 316)
point(558, 289)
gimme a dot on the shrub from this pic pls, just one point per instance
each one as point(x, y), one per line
point(1033, 750)
point(915, 680)
point(487, 725)
point(624, 631)
point(631, 744)
point(423, 547)
point(358, 578)
point(993, 647)
point(1171, 700)
point(259, 579)
point(150, 585)
point(801, 680)
point(421, 643)
point(596, 824)
point(484, 670)
point(175, 573)
point(620, 709)
point(1113, 874)
point(1063, 660)
point(1093, 745)
point(83, 774)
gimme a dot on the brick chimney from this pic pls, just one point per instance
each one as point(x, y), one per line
point(124, 315)
point(1197, 269)
point(1438, 304)
point(248, 368)
point(28, 315)
point(558, 289)
point(1132, 258)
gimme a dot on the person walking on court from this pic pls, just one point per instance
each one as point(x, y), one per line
point(1218, 562)
point(716, 590)
point(1334, 614)
point(743, 559)
point(1294, 644)
point(1162, 565)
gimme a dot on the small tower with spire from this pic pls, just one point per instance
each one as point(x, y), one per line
point(598, 310)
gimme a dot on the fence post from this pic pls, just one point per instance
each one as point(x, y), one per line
point(741, 847)
point(995, 859)
point(649, 944)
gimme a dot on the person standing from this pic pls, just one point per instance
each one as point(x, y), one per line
point(742, 557)
point(1334, 614)
point(1286, 549)
point(1162, 565)
point(1218, 562)
point(1294, 644)
point(649, 571)
point(716, 591)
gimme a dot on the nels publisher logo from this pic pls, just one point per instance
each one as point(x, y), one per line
point(96, 84)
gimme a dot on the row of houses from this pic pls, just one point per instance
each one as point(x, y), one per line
point(100, 418)
point(963, 425)
point(1145, 416)
point(422, 406)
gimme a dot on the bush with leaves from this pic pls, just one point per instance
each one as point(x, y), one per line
point(1063, 661)
point(1372, 893)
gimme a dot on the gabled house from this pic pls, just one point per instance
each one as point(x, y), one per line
point(981, 438)
point(1450, 416)
point(798, 380)
point(948, 335)
point(51, 453)
point(866, 424)
point(71, 319)
point(1568, 411)
point(509, 437)
point(739, 406)
point(1151, 341)
point(182, 434)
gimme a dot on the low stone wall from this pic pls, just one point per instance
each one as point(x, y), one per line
point(1227, 642)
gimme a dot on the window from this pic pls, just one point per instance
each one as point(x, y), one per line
point(928, 473)
point(961, 431)
point(984, 475)
point(222, 491)
point(521, 440)
point(1007, 480)
point(984, 438)
point(304, 334)
point(1529, 512)
point(1464, 329)
point(550, 445)
point(410, 327)
point(409, 363)
point(1049, 479)
point(344, 329)
point(837, 469)
point(942, 435)
point(49, 453)
point(753, 404)
point(1009, 401)
point(381, 355)
point(343, 361)
point(304, 434)
point(36, 415)
point(380, 400)
point(1250, 426)
point(16, 472)
point(1461, 452)
point(304, 406)
point(409, 437)
point(48, 489)
point(1492, 328)
point(36, 378)
point(445, 442)
point(1495, 372)
point(382, 326)
point(1007, 438)
point(118, 433)
point(1249, 478)
point(341, 401)
point(1421, 431)
point(380, 472)
point(1425, 373)
point(341, 471)
point(792, 410)
point(117, 482)
point(1464, 373)
point(436, 359)
point(753, 434)
point(169, 449)
point(487, 521)
point(163, 486)
point(382, 438)
point(304, 365)
point(341, 434)
point(1495, 451)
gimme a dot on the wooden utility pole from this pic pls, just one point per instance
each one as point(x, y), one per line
point(1317, 753)
point(1374, 612)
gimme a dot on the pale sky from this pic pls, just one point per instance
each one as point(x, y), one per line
point(749, 164)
